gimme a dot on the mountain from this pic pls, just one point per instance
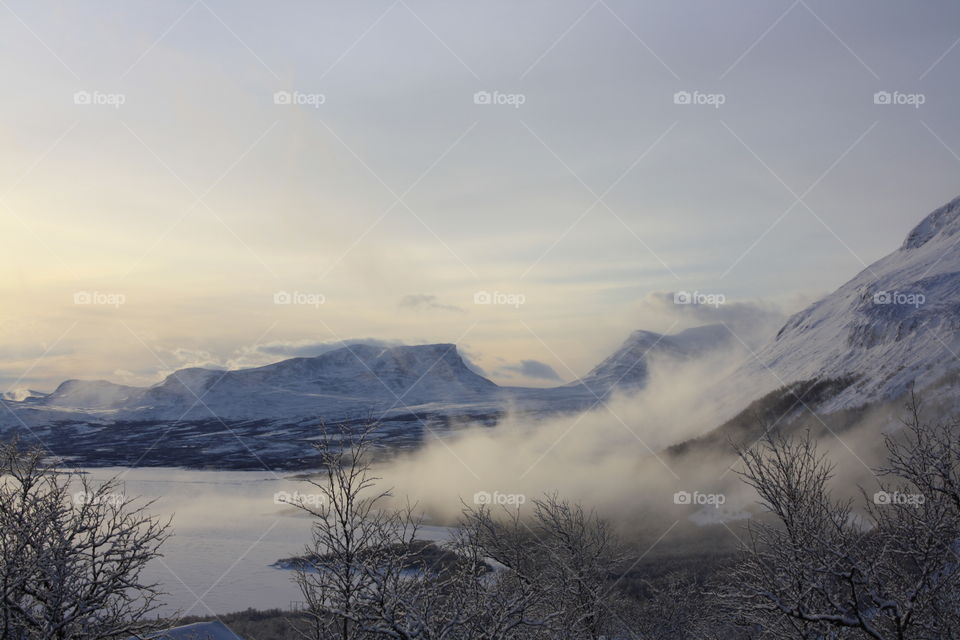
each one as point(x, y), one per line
point(338, 384)
point(628, 366)
point(266, 416)
point(895, 324)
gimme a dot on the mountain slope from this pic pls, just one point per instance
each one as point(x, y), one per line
point(894, 324)
point(339, 383)
point(628, 366)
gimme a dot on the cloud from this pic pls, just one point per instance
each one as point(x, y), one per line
point(21, 352)
point(585, 457)
point(261, 354)
point(753, 321)
point(422, 301)
point(313, 348)
point(529, 369)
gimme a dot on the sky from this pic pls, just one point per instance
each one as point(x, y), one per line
point(213, 183)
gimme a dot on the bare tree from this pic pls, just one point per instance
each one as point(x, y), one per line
point(927, 455)
point(557, 563)
point(514, 601)
point(71, 554)
point(819, 567)
point(365, 573)
point(349, 528)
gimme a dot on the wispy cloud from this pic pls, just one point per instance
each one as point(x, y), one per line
point(422, 301)
point(529, 369)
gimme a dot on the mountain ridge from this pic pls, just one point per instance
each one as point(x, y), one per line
point(897, 321)
point(893, 325)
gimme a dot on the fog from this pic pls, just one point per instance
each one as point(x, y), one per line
point(610, 457)
point(613, 458)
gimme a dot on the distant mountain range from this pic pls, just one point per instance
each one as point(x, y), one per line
point(266, 416)
point(895, 324)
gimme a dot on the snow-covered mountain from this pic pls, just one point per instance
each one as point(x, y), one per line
point(628, 366)
point(341, 383)
point(894, 324)
point(265, 416)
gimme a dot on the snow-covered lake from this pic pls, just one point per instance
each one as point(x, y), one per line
point(227, 532)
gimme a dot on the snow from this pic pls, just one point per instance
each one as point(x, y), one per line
point(355, 383)
point(896, 322)
point(215, 630)
point(628, 366)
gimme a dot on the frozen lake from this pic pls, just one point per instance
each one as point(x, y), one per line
point(227, 532)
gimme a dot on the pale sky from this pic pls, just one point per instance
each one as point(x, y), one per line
point(177, 187)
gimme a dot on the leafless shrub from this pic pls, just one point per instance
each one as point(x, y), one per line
point(819, 567)
point(71, 554)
